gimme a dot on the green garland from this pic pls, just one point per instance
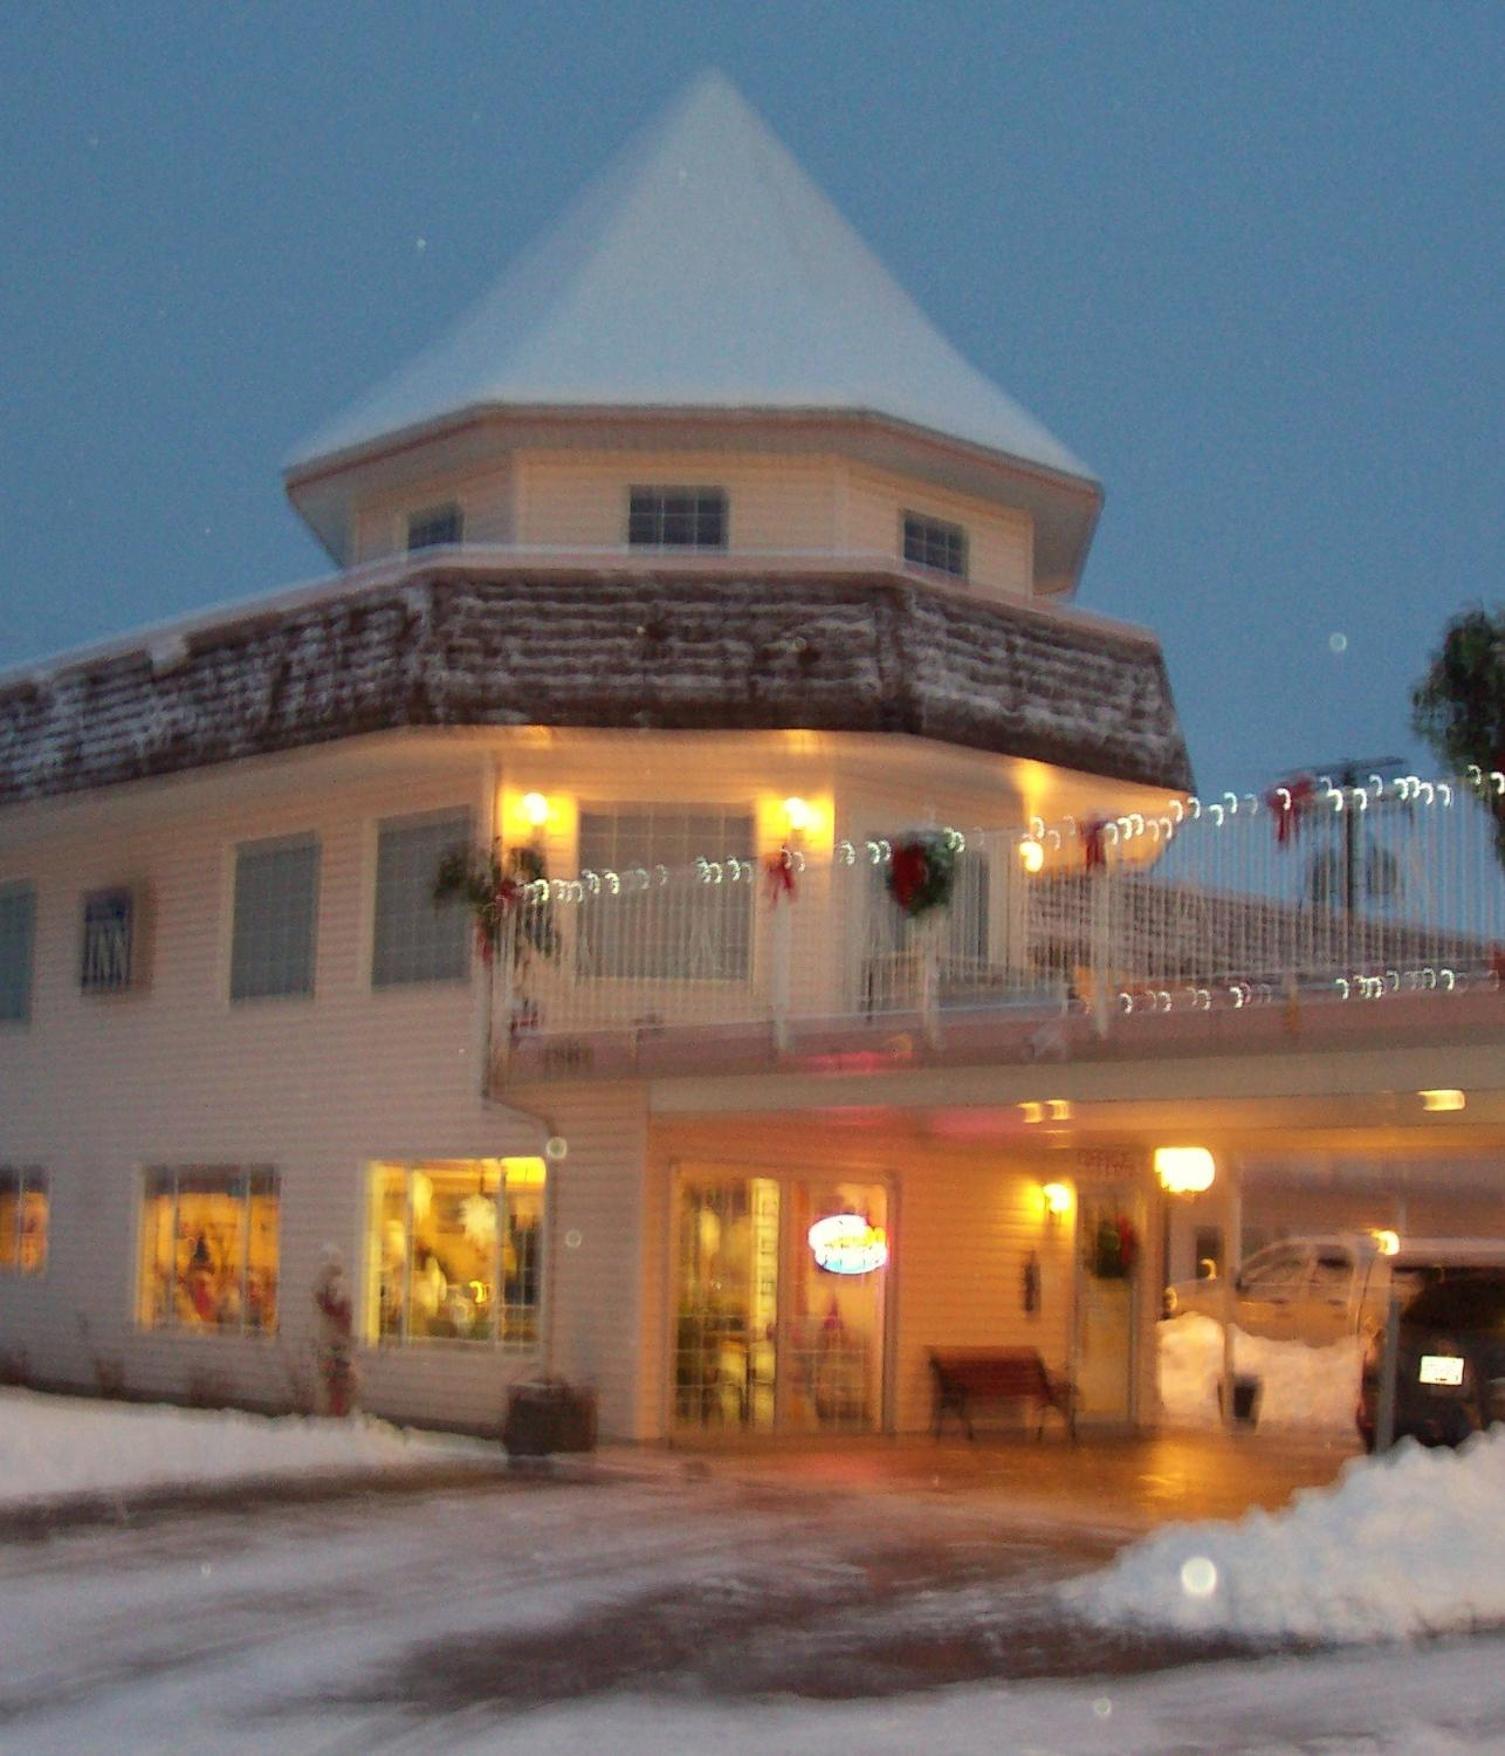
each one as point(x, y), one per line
point(495, 885)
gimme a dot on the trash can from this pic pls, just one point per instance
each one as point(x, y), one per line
point(1245, 1398)
point(547, 1415)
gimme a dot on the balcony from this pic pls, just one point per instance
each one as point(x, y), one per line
point(1218, 921)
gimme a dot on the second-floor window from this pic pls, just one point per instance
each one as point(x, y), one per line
point(435, 526)
point(415, 939)
point(671, 894)
point(276, 903)
point(928, 542)
point(18, 917)
point(676, 518)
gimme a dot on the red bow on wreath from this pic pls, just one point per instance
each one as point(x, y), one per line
point(1289, 802)
point(1093, 850)
point(908, 874)
point(779, 871)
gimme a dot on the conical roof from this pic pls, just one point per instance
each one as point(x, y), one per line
point(702, 270)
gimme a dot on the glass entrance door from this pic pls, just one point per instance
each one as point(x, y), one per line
point(780, 1305)
point(726, 1316)
point(833, 1328)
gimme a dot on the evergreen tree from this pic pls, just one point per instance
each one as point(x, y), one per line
point(1459, 705)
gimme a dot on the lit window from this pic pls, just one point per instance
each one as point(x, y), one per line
point(699, 931)
point(276, 901)
point(417, 939)
point(18, 917)
point(23, 1220)
point(676, 518)
point(209, 1250)
point(435, 526)
point(454, 1251)
point(930, 543)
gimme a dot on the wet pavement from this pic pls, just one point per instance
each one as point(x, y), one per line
point(1122, 1484)
point(835, 1573)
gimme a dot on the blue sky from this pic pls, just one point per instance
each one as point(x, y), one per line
point(1246, 260)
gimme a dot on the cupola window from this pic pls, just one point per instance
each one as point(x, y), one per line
point(435, 526)
point(676, 518)
point(928, 542)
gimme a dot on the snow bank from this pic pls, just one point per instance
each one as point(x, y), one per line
point(1413, 1543)
point(1300, 1386)
point(56, 1445)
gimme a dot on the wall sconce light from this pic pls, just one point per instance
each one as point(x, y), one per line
point(1057, 1199)
point(1386, 1242)
point(1442, 1100)
point(535, 808)
point(799, 814)
point(1184, 1170)
point(1031, 854)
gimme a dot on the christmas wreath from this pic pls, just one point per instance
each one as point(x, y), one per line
point(922, 870)
point(495, 885)
point(1114, 1248)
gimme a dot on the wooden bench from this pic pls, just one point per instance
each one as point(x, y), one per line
point(968, 1375)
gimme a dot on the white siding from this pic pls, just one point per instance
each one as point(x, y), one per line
point(999, 548)
point(774, 503)
point(485, 500)
point(98, 1088)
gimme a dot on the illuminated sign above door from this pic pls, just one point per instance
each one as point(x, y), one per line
point(848, 1243)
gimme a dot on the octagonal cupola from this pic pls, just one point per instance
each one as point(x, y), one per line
point(701, 307)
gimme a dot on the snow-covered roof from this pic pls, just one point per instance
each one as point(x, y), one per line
point(702, 270)
point(453, 645)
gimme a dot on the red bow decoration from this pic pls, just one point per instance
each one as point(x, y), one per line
point(778, 870)
point(908, 873)
point(504, 899)
point(1093, 849)
point(1289, 802)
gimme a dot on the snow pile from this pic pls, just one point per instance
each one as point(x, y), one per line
point(1300, 1386)
point(1409, 1544)
point(52, 1446)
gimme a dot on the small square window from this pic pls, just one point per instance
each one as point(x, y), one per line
point(435, 526)
point(930, 543)
point(276, 902)
point(676, 518)
point(18, 919)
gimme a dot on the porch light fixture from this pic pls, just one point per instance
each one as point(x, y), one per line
point(535, 809)
point(1031, 854)
point(799, 814)
point(1184, 1170)
point(1442, 1100)
point(1057, 1199)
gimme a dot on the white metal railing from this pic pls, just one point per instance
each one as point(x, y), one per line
point(1323, 892)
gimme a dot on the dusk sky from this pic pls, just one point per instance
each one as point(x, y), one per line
point(1246, 260)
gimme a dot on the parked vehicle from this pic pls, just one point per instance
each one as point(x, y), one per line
point(1450, 1361)
point(1320, 1289)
